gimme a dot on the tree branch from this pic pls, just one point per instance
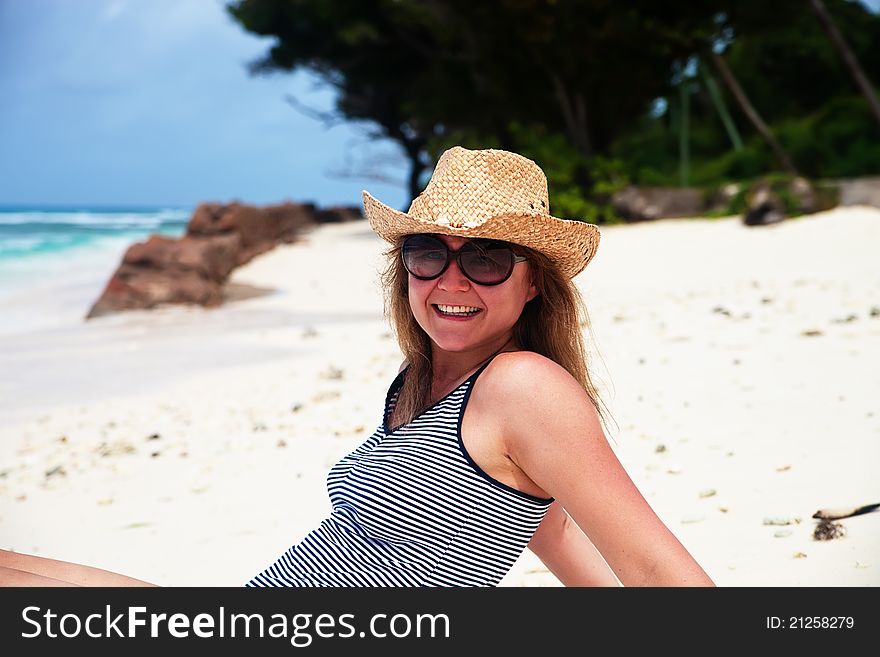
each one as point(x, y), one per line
point(328, 118)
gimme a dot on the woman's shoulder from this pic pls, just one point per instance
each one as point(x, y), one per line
point(516, 375)
point(523, 362)
point(524, 394)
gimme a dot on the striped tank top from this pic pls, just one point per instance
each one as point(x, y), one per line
point(410, 507)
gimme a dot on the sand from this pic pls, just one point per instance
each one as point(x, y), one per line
point(187, 446)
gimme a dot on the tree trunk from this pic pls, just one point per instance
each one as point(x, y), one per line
point(684, 153)
point(752, 113)
point(721, 108)
point(574, 113)
point(413, 144)
point(416, 166)
point(847, 55)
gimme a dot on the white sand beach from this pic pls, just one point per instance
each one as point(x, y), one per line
point(187, 446)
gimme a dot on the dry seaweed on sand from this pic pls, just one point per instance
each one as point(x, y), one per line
point(827, 530)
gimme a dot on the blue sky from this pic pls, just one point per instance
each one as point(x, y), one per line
point(148, 102)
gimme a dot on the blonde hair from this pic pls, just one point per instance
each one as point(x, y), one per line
point(550, 325)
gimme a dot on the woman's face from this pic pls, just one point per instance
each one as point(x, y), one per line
point(499, 305)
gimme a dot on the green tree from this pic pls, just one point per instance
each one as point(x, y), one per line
point(789, 73)
point(581, 75)
point(422, 69)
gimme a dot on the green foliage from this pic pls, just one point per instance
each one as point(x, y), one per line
point(580, 187)
point(582, 69)
point(795, 79)
point(787, 63)
point(749, 162)
point(569, 83)
point(781, 186)
point(839, 140)
point(827, 195)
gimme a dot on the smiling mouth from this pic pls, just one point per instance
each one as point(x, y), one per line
point(456, 311)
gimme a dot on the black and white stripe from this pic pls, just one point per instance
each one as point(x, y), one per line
point(411, 508)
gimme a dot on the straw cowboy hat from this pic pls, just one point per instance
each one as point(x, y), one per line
point(491, 194)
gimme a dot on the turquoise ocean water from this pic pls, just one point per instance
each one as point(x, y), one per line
point(55, 261)
point(33, 239)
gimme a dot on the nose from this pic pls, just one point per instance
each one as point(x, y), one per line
point(453, 279)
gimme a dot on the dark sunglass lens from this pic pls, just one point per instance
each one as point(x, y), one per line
point(424, 256)
point(487, 263)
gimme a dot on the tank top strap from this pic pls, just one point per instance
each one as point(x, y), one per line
point(479, 370)
point(394, 390)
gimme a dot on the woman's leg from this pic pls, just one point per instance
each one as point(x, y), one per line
point(15, 567)
point(13, 577)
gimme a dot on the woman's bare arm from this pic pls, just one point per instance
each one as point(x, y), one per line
point(561, 545)
point(554, 436)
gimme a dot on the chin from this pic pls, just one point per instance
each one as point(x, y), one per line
point(452, 345)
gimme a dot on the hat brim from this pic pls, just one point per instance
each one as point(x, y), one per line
point(570, 243)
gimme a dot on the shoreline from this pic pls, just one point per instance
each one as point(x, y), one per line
point(725, 354)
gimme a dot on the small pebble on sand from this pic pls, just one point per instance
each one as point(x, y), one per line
point(781, 520)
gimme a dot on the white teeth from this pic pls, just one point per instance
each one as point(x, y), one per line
point(457, 309)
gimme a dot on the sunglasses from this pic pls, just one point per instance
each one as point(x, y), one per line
point(482, 261)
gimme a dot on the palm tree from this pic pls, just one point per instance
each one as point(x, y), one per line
point(750, 111)
point(849, 59)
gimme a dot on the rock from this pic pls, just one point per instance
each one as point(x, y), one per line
point(259, 229)
point(338, 214)
point(858, 191)
point(143, 289)
point(644, 203)
point(212, 259)
point(722, 198)
point(802, 192)
point(769, 201)
point(194, 269)
point(764, 207)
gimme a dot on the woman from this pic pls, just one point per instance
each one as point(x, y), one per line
point(490, 439)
